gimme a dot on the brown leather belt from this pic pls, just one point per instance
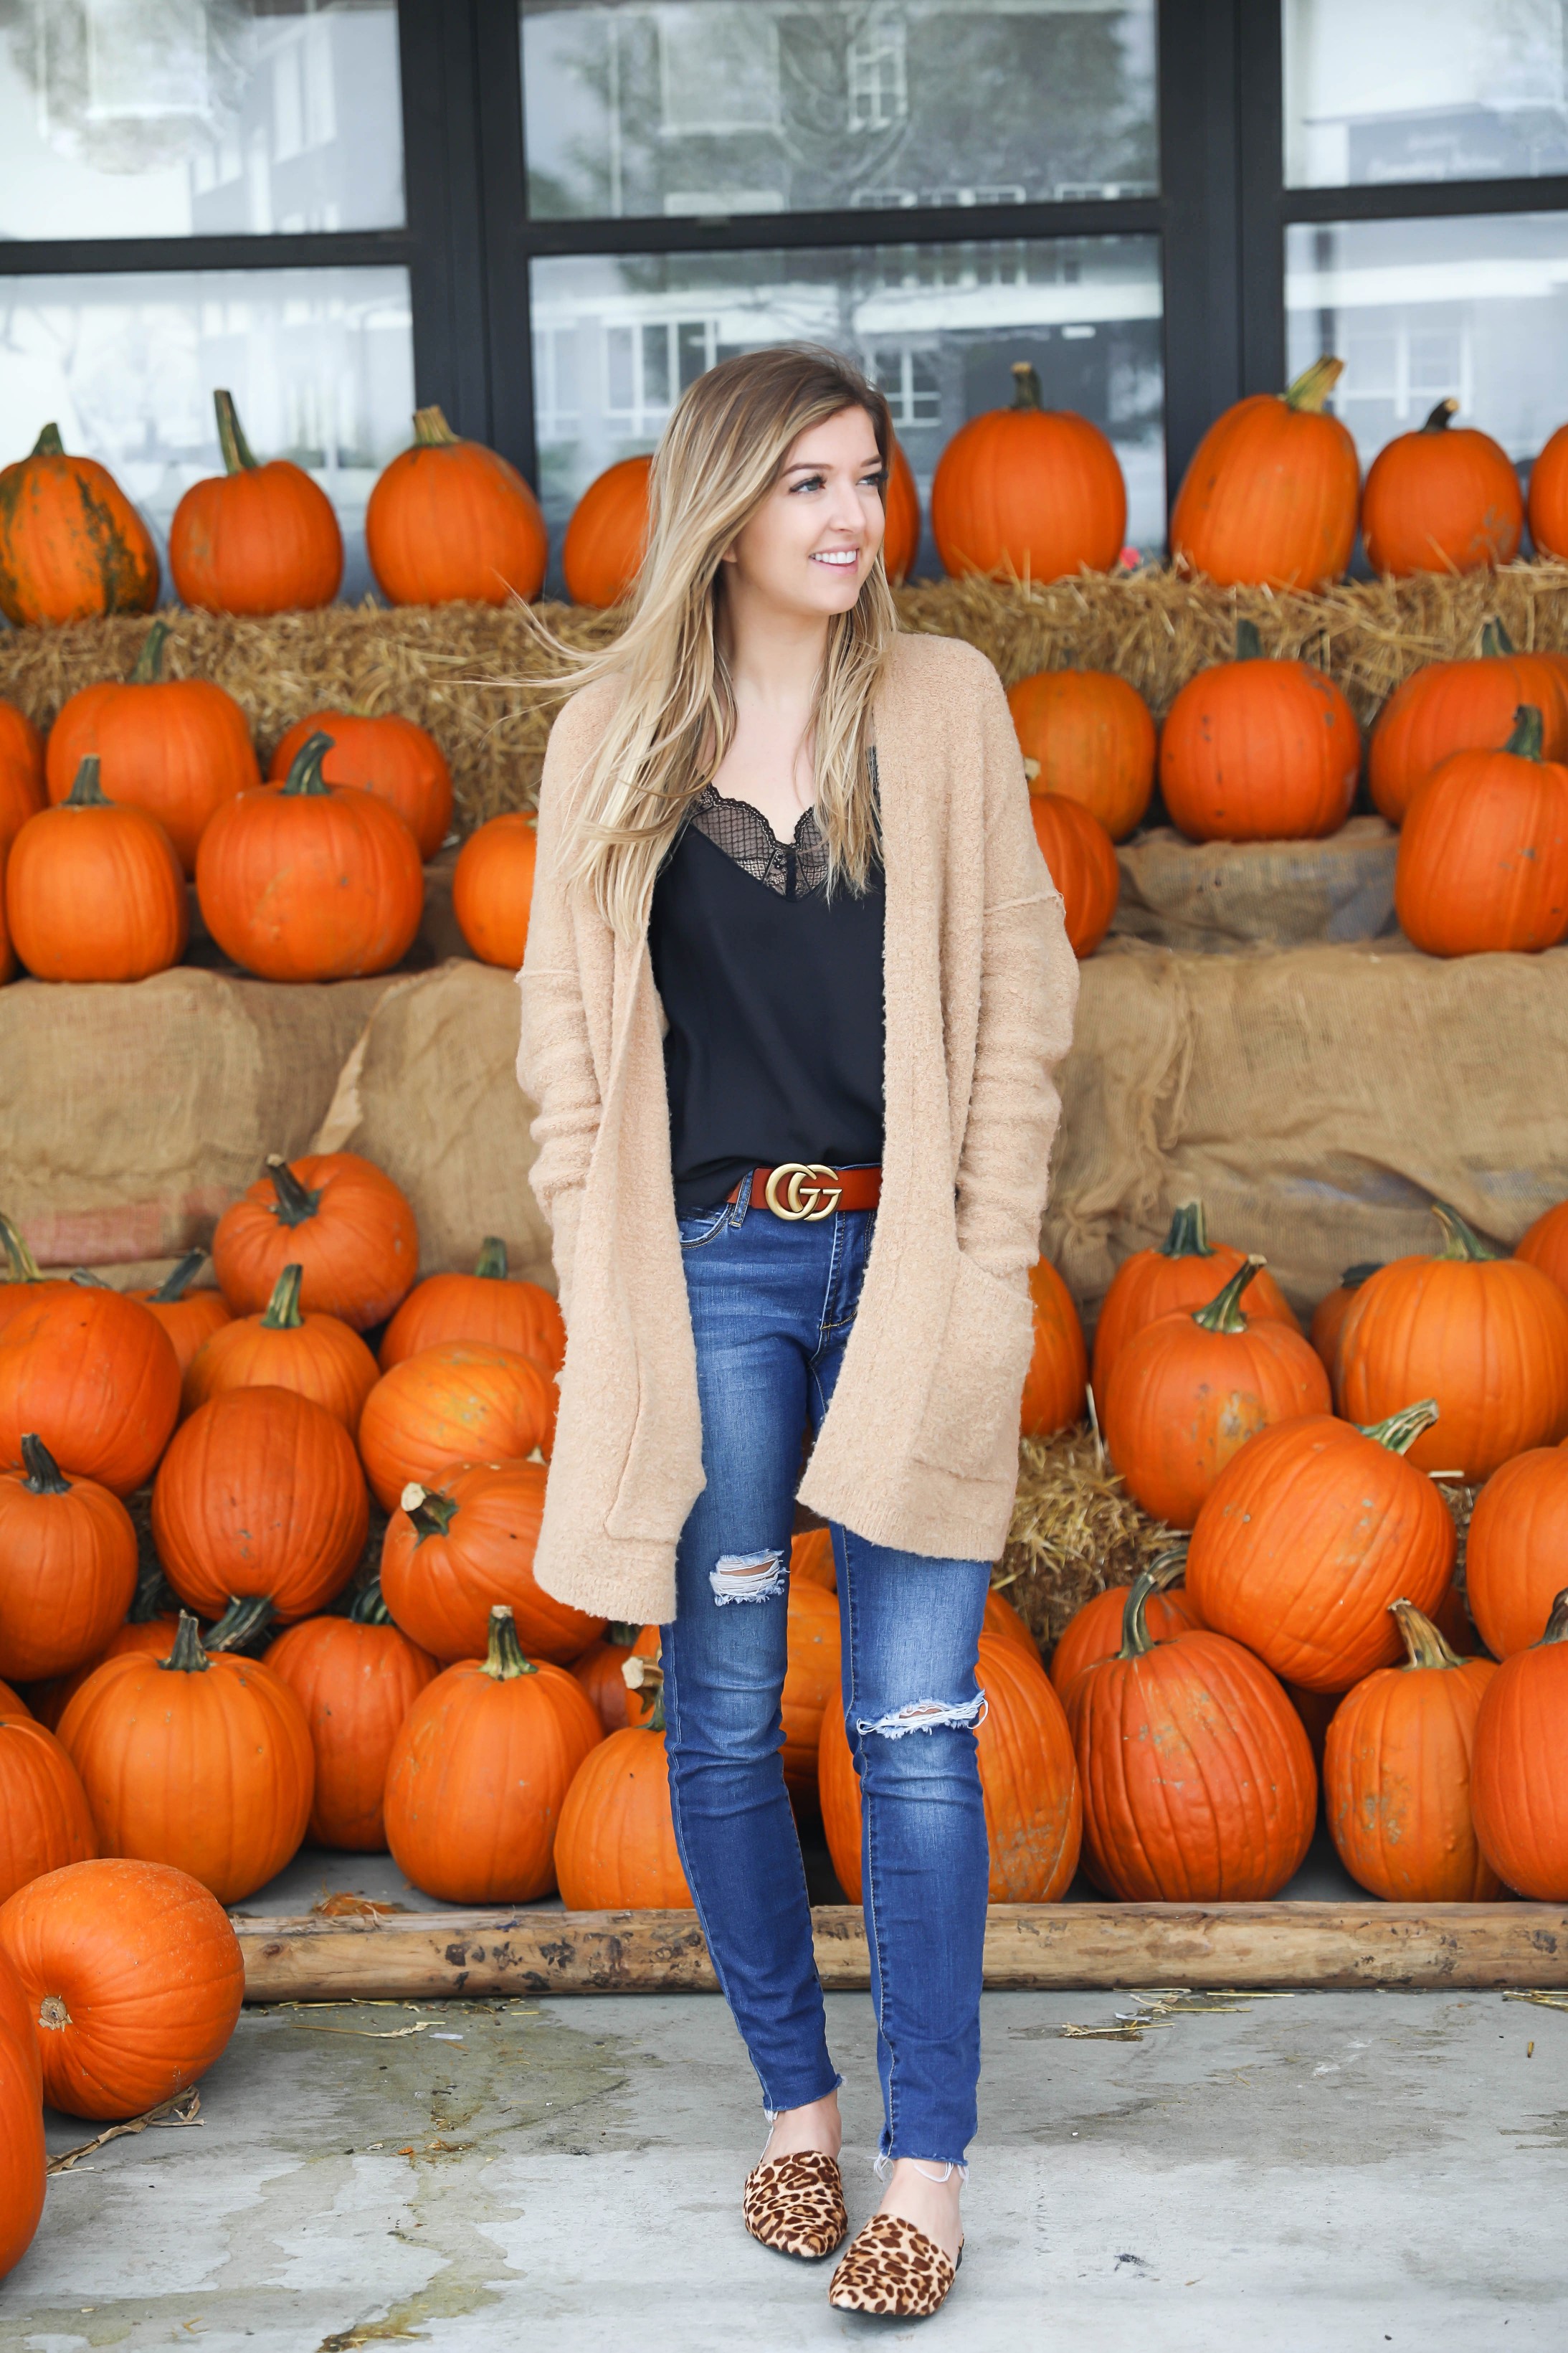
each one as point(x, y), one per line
point(810, 1189)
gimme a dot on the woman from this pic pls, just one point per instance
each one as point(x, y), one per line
point(796, 984)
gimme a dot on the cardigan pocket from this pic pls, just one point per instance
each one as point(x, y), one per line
point(970, 1425)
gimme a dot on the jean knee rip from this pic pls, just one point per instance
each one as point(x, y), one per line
point(747, 1577)
point(926, 1715)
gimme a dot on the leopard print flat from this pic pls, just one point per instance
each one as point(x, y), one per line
point(796, 2204)
point(893, 2269)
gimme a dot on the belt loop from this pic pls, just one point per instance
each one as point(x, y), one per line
point(742, 1200)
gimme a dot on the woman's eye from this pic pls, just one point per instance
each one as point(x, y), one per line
point(812, 482)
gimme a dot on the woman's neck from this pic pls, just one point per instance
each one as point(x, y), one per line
point(776, 662)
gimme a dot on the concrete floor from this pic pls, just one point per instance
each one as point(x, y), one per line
point(1316, 2174)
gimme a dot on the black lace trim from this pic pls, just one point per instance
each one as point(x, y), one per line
point(793, 869)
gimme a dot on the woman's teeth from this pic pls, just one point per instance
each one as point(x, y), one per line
point(843, 559)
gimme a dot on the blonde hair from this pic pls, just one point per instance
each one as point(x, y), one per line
point(719, 457)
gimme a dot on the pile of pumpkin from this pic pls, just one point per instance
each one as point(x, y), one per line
point(316, 873)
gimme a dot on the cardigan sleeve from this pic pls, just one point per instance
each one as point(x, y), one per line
point(1028, 994)
point(555, 1062)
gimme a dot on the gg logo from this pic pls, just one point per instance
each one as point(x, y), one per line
point(801, 1188)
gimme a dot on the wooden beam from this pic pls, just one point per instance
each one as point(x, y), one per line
point(432, 1956)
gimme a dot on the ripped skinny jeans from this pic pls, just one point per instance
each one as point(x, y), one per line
point(771, 1307)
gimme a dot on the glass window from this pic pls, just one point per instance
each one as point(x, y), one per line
point(618, 338)
point(198, 118)
point(693, 107)
point(1424, 89)
point(321, 362)
point(1419, 310)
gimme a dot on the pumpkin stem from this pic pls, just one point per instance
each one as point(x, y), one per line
point(1461, 1240)
point(45, 1476)
point(154, 1596)
point(1495, 640)
point(87, 792)
point(431, 430)
point(49, 443)
point(148, 668)
point(1189, 1234)
point(492, 1261)
point(1249, 644)
point(504, 1661)
point(294, 1203)
point(1401, 1430)
point(1526, 741)
point(305, 773)
point(187, 1657)
point(23, 1266)
point(231, 440)
point(623, 1634)
point(283, 1307)
point(1354, 1276)
point(1424, 1643)
point(1438, 423)
point(1557, 1623)
point(369, 1607)
point(1026, 392)
point(174, 1283)
point(431, 1512)
point(1313, 386)
point(646, 1676)
point(1223, 1312)
point(247, 1615)
point(84, 1280)
point(1166, 1569)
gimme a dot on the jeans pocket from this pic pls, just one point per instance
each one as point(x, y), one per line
point(701, 1225)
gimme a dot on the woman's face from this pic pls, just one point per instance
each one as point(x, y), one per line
point(811, 542)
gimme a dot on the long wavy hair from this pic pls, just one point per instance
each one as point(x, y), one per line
point(719, 457)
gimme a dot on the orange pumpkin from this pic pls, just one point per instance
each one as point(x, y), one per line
point(93, 1375)
point(1441, 500)
point(1198, 1782)
point(1028, 491)
point(22, 2154)
point(1087, 735)
point(1181, 1271)
point(1546, 1245)
point(811, 1558)
point(453, 1405)
point(308, 880)
point(1462, 706)
point(152, 1638)
point(187, 1317)
point(1271, 495)
point(615, 1851)
point(177, 749)
point(317, 1356)
point(1094, 1631)
point(22, 794)
point(484, 1307)
point(1397, 1774)
point(1548, 503)
point(598, 1670)
point(256, 538)
point(200, 1760)
point(1518, 1766)
point(13, 1703)
point(21, 745)
point(1517, 1546)
point(1483, 855)
point(492, 887)
point(1309, 1536)
point(1329, 1316)
point(69, 1553)
point(1485, 1335)
point(260, 1499)
point(94, 891)
point(1082, 861)
point(390, 758)
point(24, 1286)
point(1055, 1384)
point(1003, 1621)
point(602, 552)
point(356, 1678)
point(643, 1685)
point(73, 738)
point(1260, 751)
point(336, 1215)
point(1028, 1782)
point(1188, 1391)
point(134, 1976)
point(453, 1550)
point(450, 521)
point(811, 1680)
point(72, 546)
point(7, 960)
point(479, 1771)
point(900, 516)
point(45, 1822)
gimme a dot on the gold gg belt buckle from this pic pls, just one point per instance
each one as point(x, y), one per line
point(810, 1189)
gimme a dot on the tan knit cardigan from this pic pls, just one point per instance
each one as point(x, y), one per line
point(919, 1449)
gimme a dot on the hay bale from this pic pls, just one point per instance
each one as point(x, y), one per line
point(1075, 1530)
point(479, 676)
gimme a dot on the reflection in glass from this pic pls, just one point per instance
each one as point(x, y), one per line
point(321, 362)
point(698, 107)
point(198, 118)
point(1424, 89)
point(617, 337)
point(1420, 309)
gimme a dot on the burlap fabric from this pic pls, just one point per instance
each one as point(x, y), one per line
point(1213, 895)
